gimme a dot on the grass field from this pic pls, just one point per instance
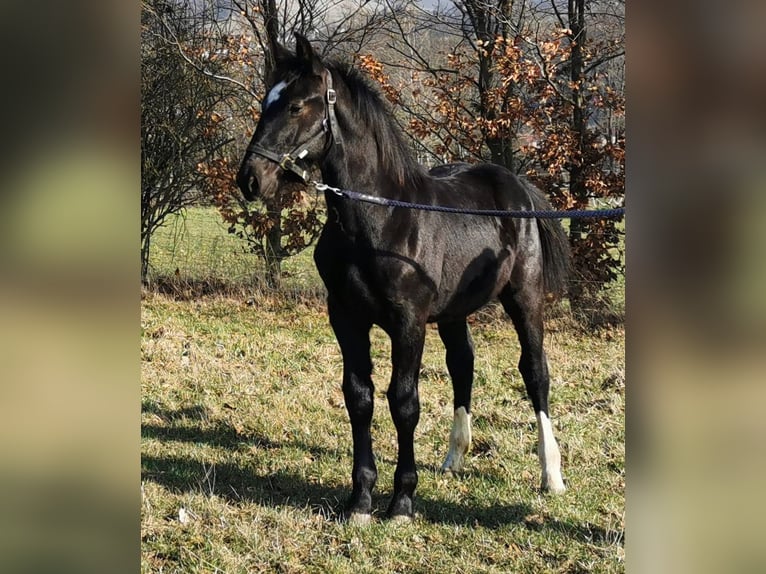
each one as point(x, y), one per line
point(246, 446)
point(193, 248)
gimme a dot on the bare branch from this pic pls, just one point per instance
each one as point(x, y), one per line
point(603, 60)
point(181, 52)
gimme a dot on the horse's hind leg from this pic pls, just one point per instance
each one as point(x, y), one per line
point(457, 341)
point(525, 306)
point(354, 340)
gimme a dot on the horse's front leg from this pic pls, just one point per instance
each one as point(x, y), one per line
point(354, 339)
point(406, 352)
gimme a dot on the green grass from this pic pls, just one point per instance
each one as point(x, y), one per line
point(245, 432)
point(194, 249)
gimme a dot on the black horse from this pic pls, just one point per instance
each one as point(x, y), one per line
point(401, 268)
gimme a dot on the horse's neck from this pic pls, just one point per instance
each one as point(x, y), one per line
point(354, 164)
point(358, 163)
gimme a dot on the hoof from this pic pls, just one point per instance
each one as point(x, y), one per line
point(553, 486)
point(359, 519)
point(401, 519)
point(452, 466)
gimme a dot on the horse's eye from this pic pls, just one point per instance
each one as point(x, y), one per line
point(295, 109)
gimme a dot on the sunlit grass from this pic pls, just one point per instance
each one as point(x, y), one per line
point(194, 248)
point(246, 445)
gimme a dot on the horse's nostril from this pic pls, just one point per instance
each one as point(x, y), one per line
point(247, 183)
point(252, 185)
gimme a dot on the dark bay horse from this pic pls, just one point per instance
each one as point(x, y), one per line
point(401, 268)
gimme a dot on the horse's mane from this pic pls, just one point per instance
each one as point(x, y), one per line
point(373, 111)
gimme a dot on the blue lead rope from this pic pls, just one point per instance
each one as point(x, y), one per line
point(533, 214)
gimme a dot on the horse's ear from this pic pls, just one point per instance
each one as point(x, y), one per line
point(305, 53)
point(280, 53)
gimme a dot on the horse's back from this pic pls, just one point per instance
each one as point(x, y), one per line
point(448, 169)
point(482, 186)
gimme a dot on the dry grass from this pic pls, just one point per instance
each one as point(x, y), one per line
point(246, 447)
point(245, 429)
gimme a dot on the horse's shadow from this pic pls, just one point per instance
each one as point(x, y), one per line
point(235, 482)
point(232, 480)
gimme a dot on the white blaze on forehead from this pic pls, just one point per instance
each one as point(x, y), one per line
point(274, 94)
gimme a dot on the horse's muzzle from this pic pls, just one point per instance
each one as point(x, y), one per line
point(258, 177)
point(247, 182)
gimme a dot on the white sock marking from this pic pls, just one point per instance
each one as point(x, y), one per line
point(549, 455)
point(274, 95)
point(459, 441)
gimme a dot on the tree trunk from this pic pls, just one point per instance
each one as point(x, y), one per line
point(271, 24)
point(577, 186)
point(488, 22)
point(145, 244)
point(274, 254)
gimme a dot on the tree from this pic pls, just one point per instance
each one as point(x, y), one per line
point(591, 240)
point(240, 35)
point(524, 86)
point(534, 86)
point(180, 127)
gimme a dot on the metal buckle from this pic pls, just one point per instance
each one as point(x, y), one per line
point(287, 162)
point(331, 98)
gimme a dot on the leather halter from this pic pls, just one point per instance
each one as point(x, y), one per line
point(288, 161)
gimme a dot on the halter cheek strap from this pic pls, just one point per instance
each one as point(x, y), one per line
point(330, 117)
point(287, 161)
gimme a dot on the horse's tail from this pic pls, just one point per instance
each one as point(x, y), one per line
point(554, 243)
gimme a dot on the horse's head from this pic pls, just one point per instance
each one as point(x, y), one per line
point(295, 124)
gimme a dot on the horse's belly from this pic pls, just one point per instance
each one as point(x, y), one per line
point(465, 289)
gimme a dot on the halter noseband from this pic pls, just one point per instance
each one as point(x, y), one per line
point(288, 161)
